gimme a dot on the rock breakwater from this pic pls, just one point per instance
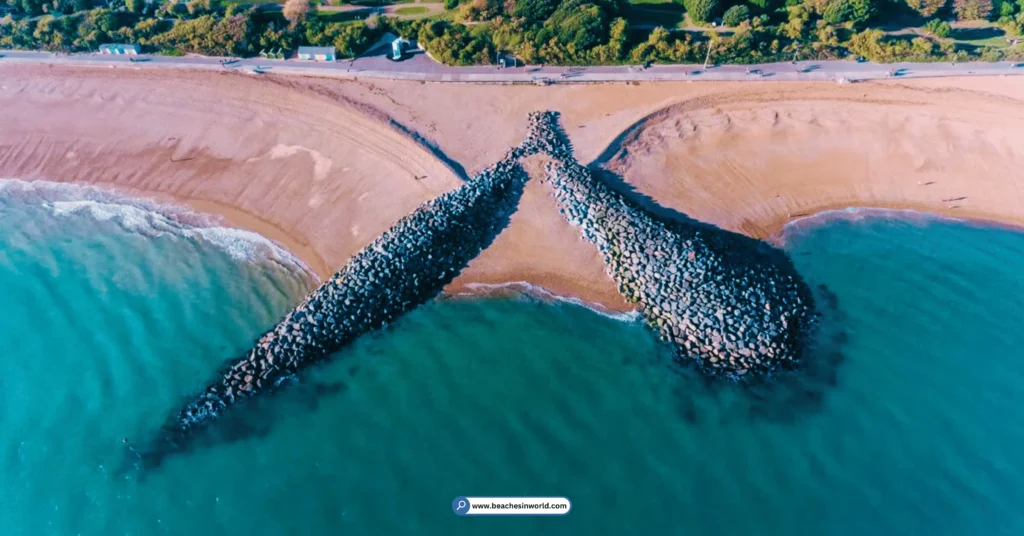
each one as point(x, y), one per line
point(405, 267)
point(733, 305)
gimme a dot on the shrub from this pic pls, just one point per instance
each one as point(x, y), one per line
point(451, 4)
point(972, 9)
point(701, 10)
point(735, 15)
point(938, 28)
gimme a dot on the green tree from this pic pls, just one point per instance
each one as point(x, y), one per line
point(735, 15)
point(938, 28)
point(797, 26)
point(201, 7)
point(855, 11)
point(972, 9)
point(535, 10)
point(768, 5)
point(354, 38)
point(838, 11)
point(618, 38)
point(922, 47)
point(868, 44)
point(135, 6)
point(454, 44)
point(701, 10)
point(572, 32)
point(482, 10)
point(927, 8)
point(32, 7)
point(145, 30)
point(207, 35)
point(663, 46)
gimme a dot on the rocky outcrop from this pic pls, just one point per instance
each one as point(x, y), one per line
point(733, 305)
point(405, 267)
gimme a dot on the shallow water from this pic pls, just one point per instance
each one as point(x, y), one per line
point(105, 331)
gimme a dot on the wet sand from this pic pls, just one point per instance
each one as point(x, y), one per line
point(323, 166)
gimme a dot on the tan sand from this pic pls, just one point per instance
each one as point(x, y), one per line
point(315, 164)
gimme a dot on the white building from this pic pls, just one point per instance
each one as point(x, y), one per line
point(120, 49)
point(317, 54)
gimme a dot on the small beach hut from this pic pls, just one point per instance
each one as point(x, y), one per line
point(120, 49)
point(317, 54)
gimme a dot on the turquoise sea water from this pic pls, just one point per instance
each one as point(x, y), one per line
point(109, 319)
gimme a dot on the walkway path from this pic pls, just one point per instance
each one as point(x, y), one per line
point(421, 67)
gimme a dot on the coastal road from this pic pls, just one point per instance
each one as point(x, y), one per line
point(421, 67)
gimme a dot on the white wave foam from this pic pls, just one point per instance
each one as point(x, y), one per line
point(149, 218)
point(522, 287)
point(856, 214)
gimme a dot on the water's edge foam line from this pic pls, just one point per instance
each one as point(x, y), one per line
point(148, 217)
point(857, 213)
point(523, 288)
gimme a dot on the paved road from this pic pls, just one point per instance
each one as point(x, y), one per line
point(421, 67)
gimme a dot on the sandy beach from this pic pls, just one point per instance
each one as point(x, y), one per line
point(323, 166)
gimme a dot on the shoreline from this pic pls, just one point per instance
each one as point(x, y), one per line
point(230, 217)
point(310, 165)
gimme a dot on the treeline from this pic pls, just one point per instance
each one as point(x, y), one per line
point(587, 32)
point(563, 32)
point(199, 27)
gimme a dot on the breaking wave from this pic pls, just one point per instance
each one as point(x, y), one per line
point(150, 218)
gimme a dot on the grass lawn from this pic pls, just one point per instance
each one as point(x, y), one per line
point(667, 15)
point(994, 42)
point(415, 10)
point(341, 16)
point(978, 35)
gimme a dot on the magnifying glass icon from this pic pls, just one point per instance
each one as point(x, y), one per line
point(460, 505)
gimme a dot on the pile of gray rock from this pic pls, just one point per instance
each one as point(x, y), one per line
point(405, 267)
point(733, 305)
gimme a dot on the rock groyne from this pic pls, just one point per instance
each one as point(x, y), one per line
point(405, 267)
point(733, 305)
